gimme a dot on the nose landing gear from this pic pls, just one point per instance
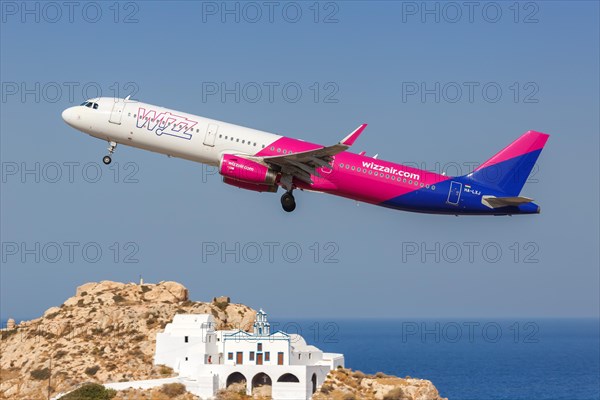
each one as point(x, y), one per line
point(288, 202)
point(111, 149)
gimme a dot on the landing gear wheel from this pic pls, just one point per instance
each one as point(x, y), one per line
point(111, 149)
point(288, 202)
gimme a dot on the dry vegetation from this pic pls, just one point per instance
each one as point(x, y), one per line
point(105, 333)
point(345, 384)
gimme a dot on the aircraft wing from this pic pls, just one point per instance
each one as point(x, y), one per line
point(304, 164)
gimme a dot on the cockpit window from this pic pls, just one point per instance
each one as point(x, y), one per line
point(89, 104)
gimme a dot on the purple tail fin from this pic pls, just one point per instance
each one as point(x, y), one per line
point(508, 170)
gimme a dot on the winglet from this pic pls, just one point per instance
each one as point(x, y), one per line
point(349, 140)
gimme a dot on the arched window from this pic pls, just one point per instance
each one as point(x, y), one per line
point(235, 377)
point(261, 383)
point(288, 378)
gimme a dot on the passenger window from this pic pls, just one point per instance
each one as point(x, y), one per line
point(95, 106)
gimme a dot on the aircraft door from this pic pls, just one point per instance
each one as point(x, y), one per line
point(211, 134)
point(454, 193)
point(117, 112)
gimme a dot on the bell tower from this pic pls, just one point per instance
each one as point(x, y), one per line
point(261, 325)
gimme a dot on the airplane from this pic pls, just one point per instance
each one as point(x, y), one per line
point(262, 162)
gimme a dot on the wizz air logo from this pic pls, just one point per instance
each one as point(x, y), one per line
point(391, 170)
point(165, 123)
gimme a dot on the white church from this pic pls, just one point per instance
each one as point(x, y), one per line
point(208, 360)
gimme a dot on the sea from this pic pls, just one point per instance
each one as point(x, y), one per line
point(468, 359)
point(471, 359)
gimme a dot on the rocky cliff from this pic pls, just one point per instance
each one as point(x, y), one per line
point(345, 384)
point(106, 332)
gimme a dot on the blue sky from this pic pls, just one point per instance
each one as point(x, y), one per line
point(534, 66)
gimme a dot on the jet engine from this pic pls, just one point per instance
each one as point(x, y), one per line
point(242, 170)
point(250, 186)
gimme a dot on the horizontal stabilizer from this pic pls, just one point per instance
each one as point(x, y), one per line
point(499, 202)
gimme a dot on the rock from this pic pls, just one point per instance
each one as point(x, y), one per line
point(86, 288)
point(222, 299)
point(111, 325)
point(51, 311)
point(177, 290)
point(344, 382)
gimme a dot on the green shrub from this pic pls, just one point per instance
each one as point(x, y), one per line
point(6, 334)
point(164, 370)
point(326, 388)
point(394, 394)
point(91, 371)
point(40, 374)
point(60, 354)
point(90, 391)
point(173, 389)
point(118, 298)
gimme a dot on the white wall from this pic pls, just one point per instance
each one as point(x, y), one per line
point(289, 391)
point(271, 345)
point(204, 386)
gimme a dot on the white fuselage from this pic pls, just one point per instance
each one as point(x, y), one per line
point(165, 131)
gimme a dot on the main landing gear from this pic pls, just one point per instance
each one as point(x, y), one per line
point(288, 202)
point(111, 149)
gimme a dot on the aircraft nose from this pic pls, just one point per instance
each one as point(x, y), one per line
point(70, 116)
